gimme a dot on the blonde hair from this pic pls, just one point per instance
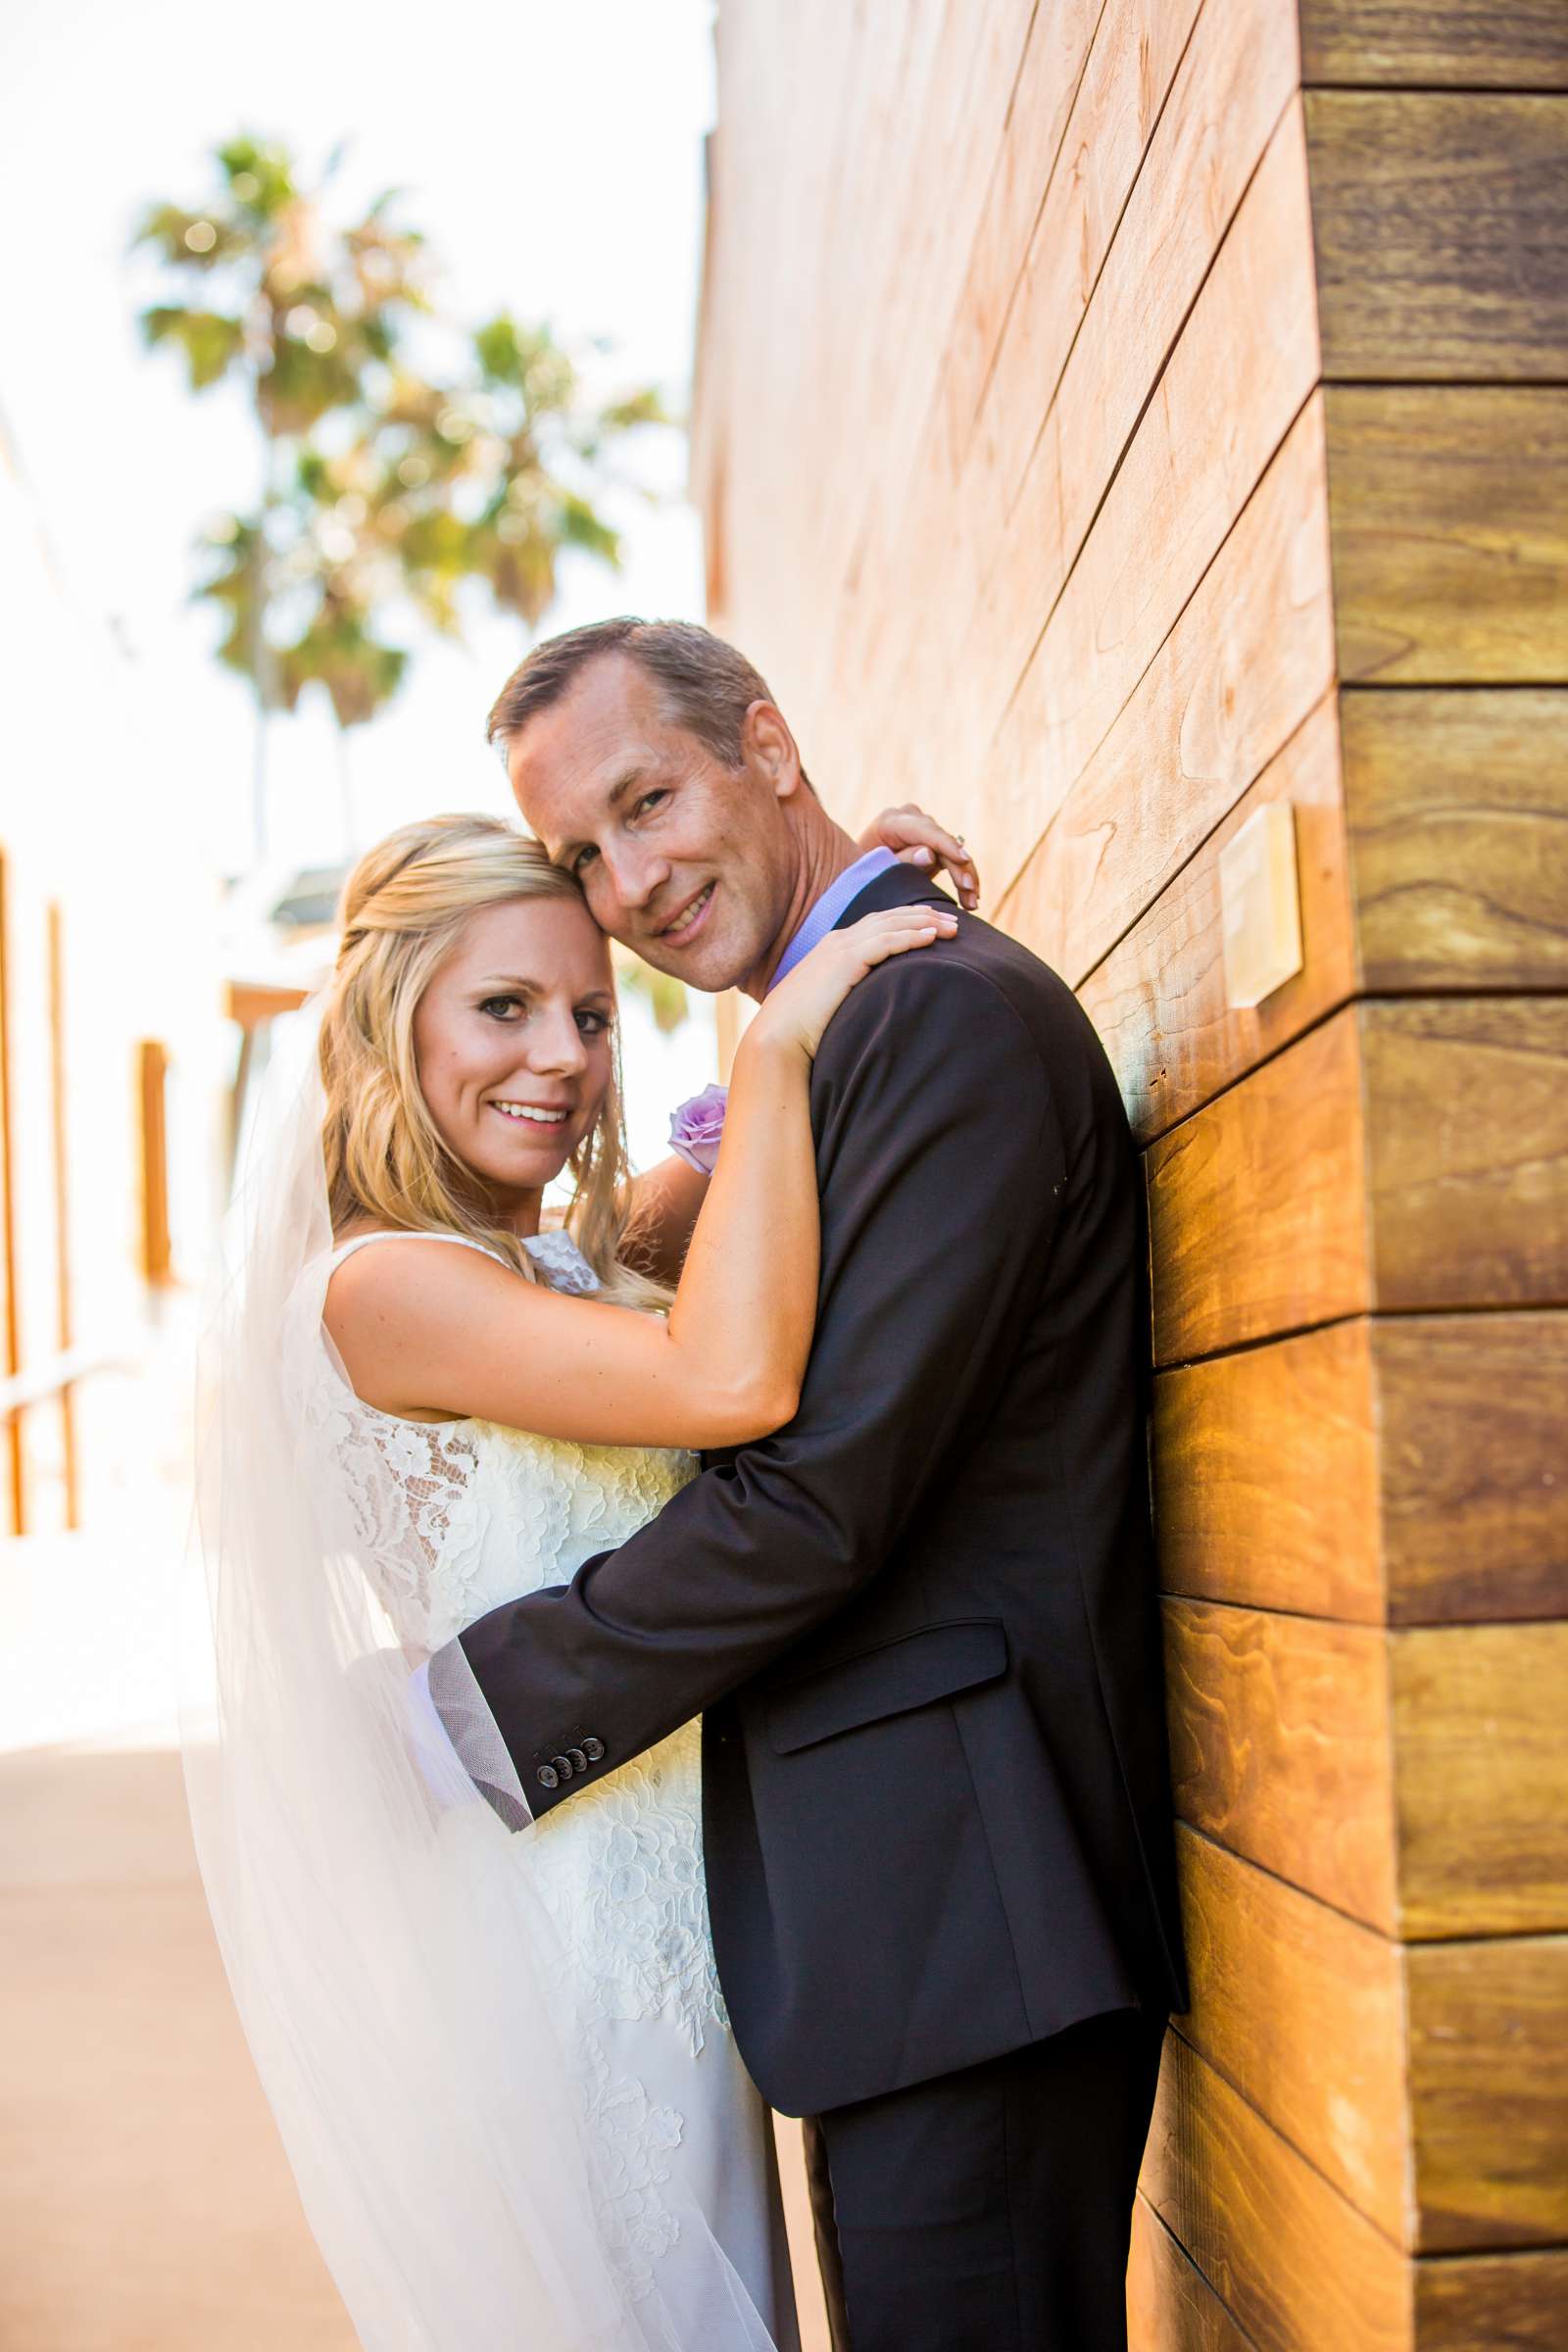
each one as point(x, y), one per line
point(402, 909)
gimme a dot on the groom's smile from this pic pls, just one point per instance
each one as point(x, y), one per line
point(684, 927)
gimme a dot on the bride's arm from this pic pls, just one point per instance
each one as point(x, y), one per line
point(449, 1331)
point(666, 1200)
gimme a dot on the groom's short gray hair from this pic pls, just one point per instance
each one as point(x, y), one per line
point(707, 687)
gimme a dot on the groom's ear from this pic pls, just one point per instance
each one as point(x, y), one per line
point(769, 745)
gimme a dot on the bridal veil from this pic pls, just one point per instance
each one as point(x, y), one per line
point(399, 1984)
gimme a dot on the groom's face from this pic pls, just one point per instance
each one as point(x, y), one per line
point(689, 862)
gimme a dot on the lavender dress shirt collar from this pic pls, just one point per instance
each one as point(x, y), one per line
point(829, 907)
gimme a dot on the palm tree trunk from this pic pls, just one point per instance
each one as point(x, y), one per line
point(262, 664)
point(345, 795)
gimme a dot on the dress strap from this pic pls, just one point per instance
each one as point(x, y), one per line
point(392, 1233)
point(556, 1254)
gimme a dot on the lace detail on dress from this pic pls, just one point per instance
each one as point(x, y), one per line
point(562, 1262)
point(621, 1870)
point(402, 1523)
point(635, 2140)
point(473, 1515)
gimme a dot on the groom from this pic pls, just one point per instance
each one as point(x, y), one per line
point(919, 1622)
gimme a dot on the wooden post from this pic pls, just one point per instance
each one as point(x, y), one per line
point(60, 1136)
point(156, 1262)
point(10, 1308)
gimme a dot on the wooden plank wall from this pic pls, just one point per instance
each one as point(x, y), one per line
point(1111, 420)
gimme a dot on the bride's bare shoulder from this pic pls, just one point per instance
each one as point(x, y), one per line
point(395, 1313)
point(407, 1274)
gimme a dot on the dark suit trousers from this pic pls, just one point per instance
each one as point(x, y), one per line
point(990, 2208)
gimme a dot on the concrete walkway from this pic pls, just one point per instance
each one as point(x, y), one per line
point(146, 2202)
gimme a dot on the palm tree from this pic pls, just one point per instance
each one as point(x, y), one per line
point(297, 310)
point(385, 488)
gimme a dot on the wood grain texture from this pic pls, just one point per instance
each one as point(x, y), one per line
point(1234, 84)
point(1280, 1748)
point(927, 252)
point(1467, 1150)
point(1489, 2090)
point(1481, 1774)
point(1297, 2267)
point(910, 533)
point(1266, 1477)
point(1457, 807)
point(1302, 2011)
point(1474, 1487)
point(1246, 363)
point(1514, 44)
point(1428, 2082)
point(882, 248)
point(1257, 1204)
point(1020, 193)
point(1491, 2303)
point(1234, 81)
point(1448, 507)
point(1441, 231)
point(1158, 998)
point(986, 562)
point(1170, 2305)
point(1125, 83)
point(954, 527)
point(1407, 1468)
point(1250, 659)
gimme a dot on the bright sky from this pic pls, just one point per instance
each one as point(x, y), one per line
point(552, 152)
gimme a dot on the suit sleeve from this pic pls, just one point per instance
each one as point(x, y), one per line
point(941, 1166)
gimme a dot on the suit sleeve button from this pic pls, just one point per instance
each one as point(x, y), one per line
point(564, 1766)
point(593, 1749)
point(580, 1758)
point(548, 1776)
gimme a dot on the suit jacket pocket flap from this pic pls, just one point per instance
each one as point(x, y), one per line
point(931, 1664)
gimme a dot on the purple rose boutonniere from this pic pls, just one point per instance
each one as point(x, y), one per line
point(696, 1127)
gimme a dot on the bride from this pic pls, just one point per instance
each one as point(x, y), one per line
point(501, 2063)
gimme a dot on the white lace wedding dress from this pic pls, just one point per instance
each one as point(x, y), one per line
point(482, 1514)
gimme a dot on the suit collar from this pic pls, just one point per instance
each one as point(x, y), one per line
point(896, 886)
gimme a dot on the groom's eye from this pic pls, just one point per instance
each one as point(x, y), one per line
point(650, 799)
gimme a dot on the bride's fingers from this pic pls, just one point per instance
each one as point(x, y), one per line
point(903, 928)
point(916, 839)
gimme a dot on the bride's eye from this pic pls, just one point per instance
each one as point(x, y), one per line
point(490, 1003)
point(590, 1023)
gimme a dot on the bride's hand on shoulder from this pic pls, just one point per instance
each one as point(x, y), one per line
point(916, 839)
point(795, 1013)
